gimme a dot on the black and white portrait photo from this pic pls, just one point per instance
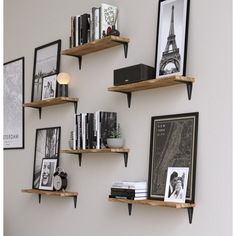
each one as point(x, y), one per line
point(47, 171)
point(173, 144)
point(46, 62)
point(172, 37)
point(13, 95)
point(176, 184)
point(47, 145)
point(49, 87)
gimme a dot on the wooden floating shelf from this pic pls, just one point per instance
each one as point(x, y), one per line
point(79, 152)
point(153, 83)
point(153, 203)
point(52, 193)
point(97, 45)
point(52, 102)
point(188, 206)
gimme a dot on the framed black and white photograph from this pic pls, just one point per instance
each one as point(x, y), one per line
point(47, 170)
point(49, 87)
point(13, 95)
point(172, 33)
point(176, 184)
point(46, 62)
point(47, 145)
point(173, 143)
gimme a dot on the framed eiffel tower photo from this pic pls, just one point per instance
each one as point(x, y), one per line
point(172, 30)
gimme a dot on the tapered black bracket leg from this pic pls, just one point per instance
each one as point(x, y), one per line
point(126, 158)
point(80, 158)
point(130, 208)
point(40, 112)
point(80, 61)
point(75, 106)
point(75, 201)
point(39, 198)
point(190, 214)
point(125, 49)
point(129, 94)
point(189, 89)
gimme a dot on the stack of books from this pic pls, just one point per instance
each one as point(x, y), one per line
point(133, 190)
point(94, 25)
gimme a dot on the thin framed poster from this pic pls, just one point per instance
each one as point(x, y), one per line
point(172, 35)
point(46, 63)
point(173, 144)
point(13, 73)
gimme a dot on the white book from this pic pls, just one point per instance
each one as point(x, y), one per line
point(77, 29)
point(74, 132)
point(108, 17)
point(84, 130)
point(97, 23)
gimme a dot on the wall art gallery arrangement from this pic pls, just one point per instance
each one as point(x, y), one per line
point(173, 138)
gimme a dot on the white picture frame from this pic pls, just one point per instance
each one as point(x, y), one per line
point(176, 184)
point(49, 87)
point(48, 169)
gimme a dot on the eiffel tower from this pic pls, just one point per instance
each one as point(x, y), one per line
point(171, 54)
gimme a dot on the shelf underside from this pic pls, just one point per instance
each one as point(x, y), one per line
point(94, 46)
point(153, 83)
point(154, 203)
point(102, 150)
point(50, 193)
point(51, 102)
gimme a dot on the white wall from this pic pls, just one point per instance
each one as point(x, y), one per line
point(29, 24)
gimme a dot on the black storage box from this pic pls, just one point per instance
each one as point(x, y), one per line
point(133, 74)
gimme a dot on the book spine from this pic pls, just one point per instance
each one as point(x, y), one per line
point(124, 194)
point(74, 133)
point(72, 30)
point(96, 23)
point(133, 191)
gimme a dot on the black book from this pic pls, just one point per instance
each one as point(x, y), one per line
point(84, 28)
point(128, 190)
point(90, 130)
point(128, 194)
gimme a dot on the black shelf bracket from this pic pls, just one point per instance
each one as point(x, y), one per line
point(125, 157)
point(75, 105)
point(189, 89)
point(39, 198)
point(80, 61)
point(190, 214)
point(125, 44)
point(129, 95)
point(80, 158)
point(40, 112)
point(75, 201)
point(130, 208)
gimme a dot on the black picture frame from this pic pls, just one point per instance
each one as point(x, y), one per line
point(172, 38)
point(173, 143)
point(47, 145)
point(14, 97)
point(46, 63)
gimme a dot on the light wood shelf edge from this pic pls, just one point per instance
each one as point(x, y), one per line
point(153, 203)
point(51, 102)
point(50, 193)
point(96, 45)
point(102, 150)
point(153, 83)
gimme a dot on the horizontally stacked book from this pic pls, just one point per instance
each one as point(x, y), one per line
point(133, 190)
point(91, 26)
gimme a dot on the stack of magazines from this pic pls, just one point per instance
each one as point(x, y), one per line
point(134, 190)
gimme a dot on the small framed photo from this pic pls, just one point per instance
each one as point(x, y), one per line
point(49, 87)
point(176, 184)
point(47, 170)
point(173, 143)
point(172, 31)
point(47, 145)
point(46, 63)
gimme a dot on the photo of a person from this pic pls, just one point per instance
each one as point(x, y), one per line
point(47, 171)
point(176, 184)
point(49, 87)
